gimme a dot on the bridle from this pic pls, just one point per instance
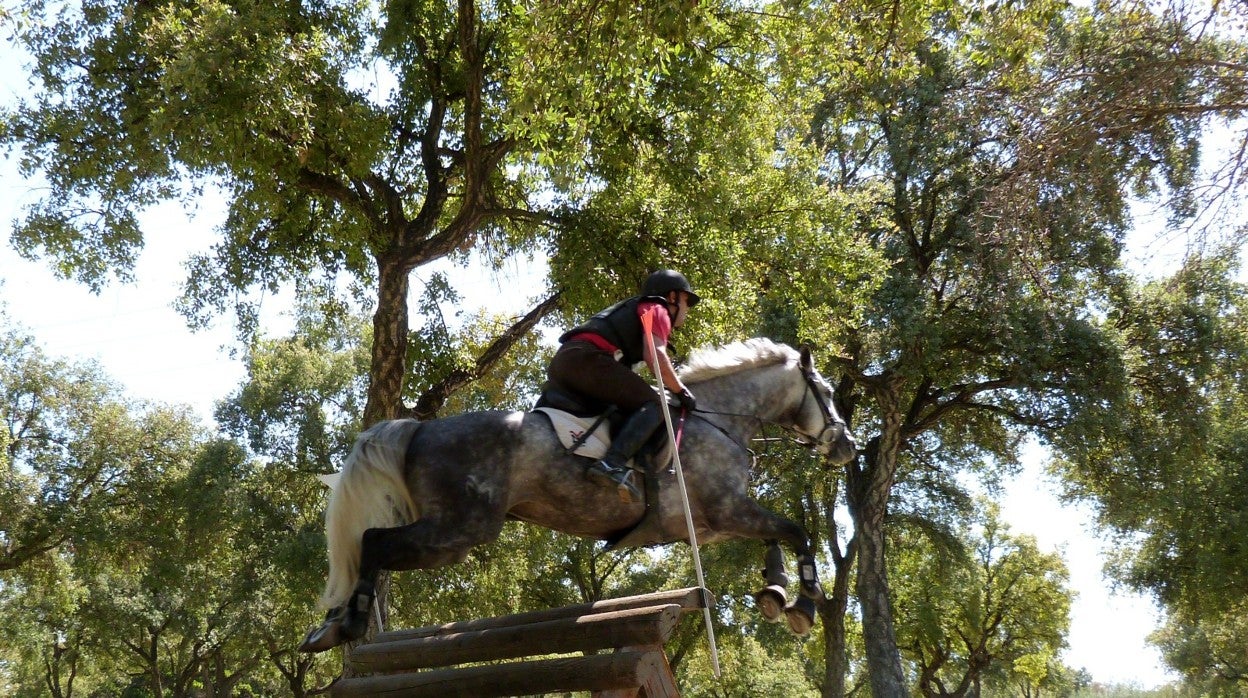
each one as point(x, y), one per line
point(830, 421)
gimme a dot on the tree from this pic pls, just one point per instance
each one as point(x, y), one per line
point(1164, 469)
point(300, 407)
point(996, 152)
point(136, 546)
point(474, 121)
point(48, 652)
point(71, 449)
point(120, 558)
point(165, 592)
point(980, 151)
point(993, 606)
point(1208, 650)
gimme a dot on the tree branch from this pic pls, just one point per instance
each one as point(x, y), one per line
point(432, 400)
point(961, 399)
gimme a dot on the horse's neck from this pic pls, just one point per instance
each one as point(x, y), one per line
point(760, 393)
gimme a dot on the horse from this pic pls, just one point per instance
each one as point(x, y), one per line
point(418, 495)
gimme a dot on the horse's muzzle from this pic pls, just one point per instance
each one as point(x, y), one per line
point(837, 444)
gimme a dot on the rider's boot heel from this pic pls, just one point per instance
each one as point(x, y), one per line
point(621, 478)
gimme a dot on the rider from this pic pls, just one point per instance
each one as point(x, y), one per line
point(596, 358)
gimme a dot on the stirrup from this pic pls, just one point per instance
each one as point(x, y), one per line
point(622, 478)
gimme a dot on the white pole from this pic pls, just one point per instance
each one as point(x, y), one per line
point(684, 499)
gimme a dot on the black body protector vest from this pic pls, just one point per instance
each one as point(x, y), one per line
point(620, 326)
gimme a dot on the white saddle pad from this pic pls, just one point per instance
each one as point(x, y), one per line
point(569, 427)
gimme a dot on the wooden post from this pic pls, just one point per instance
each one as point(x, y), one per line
point(637, 627)
point(406, 662)
point(600, 672)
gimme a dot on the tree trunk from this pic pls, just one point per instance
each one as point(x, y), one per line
point(868, 491)
point(158, 683)
point(832, 615)
point(389, 357)
point(834, 606)
point(385, 391)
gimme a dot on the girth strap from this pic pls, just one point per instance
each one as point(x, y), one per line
point(580, 440)
point(648, 530)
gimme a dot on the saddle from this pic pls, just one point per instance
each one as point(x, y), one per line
point(577, 423)
point(580, 426)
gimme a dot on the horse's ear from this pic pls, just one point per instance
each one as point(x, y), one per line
point(807, 361)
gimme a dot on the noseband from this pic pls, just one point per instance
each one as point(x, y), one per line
point(830, 421)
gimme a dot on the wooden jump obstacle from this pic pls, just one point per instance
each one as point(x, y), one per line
point(635, 627)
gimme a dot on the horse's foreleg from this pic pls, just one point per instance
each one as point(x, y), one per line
point(744, 518)
point(772, 598)
point(747, 519)
point(801, 613)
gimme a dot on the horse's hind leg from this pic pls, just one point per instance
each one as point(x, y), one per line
point(421, 545)
point(424, 544)
point(427, 543)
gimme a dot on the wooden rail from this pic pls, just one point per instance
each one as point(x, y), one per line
point(415, 662)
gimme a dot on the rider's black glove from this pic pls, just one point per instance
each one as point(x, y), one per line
point(687, 401)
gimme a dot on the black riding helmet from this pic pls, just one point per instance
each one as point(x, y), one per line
point(664, 281)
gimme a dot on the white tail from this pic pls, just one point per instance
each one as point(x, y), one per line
point(371, 492)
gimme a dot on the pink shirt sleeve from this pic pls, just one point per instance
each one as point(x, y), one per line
point(662, 322)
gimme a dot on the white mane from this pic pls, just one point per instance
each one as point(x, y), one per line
point(707, 363)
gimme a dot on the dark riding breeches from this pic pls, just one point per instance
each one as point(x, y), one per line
point(589, 372)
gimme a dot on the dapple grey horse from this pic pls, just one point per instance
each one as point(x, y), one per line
point(422, 494)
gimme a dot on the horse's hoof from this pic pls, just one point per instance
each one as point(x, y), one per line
point(801, 616)
point(320, 639)
point(771, 600)
point(328, 636)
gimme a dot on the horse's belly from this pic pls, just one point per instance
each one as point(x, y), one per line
point(576, 519)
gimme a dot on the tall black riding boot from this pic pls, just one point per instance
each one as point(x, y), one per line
point(613, 468)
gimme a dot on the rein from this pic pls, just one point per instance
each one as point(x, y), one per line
point(794, 435)
point(698, 412)
point(829, 421)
